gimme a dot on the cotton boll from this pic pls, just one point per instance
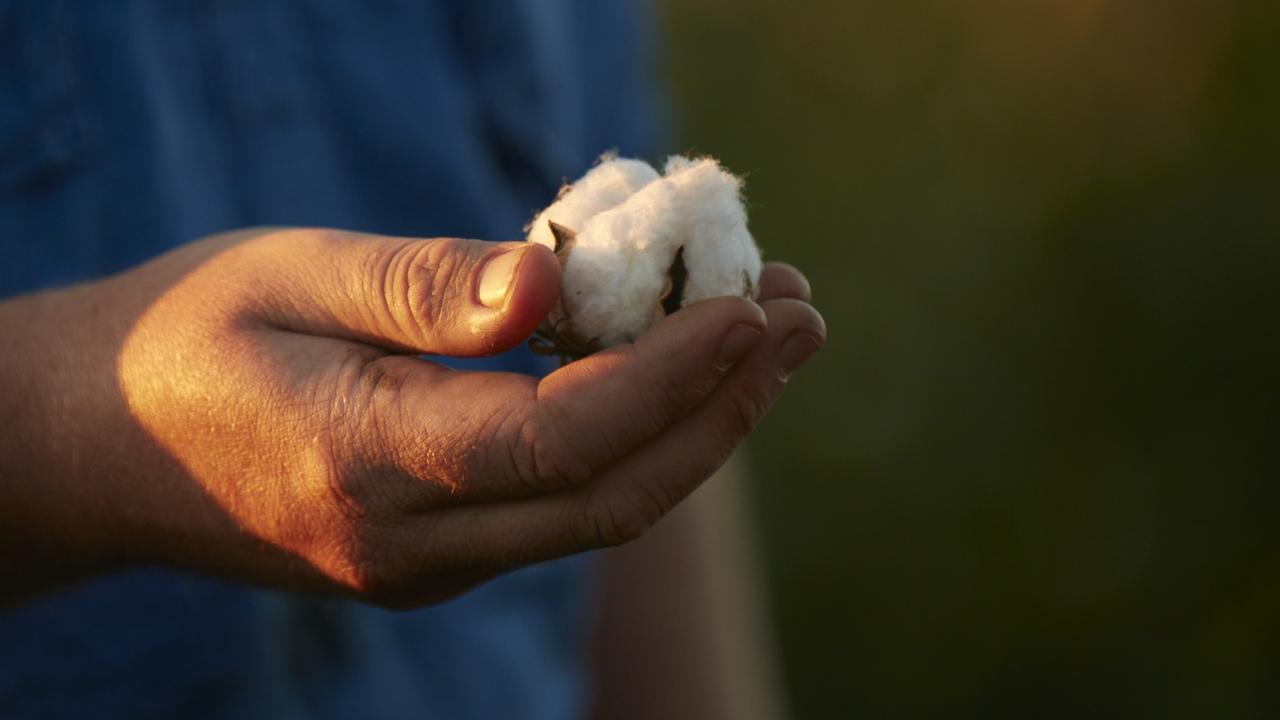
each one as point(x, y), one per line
point(616, 270)
point(720, 253)
point(606, 185)
point(635, 246)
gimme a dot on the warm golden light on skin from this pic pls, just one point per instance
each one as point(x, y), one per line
point(292, 446)
point(232, 463)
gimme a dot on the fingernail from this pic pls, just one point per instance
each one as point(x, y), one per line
point(798, 348)
point(737, 342)
point(496, 277)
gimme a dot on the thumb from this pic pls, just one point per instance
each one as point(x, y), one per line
point(443, 296)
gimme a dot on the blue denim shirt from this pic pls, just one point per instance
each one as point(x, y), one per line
point(127, 128)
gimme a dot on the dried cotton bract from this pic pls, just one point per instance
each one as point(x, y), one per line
point(636, 246)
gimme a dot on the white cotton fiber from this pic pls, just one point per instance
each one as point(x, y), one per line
point(721, 255)
point(625, 226)
point(606, 185)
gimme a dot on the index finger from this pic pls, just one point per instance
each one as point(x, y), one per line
point(504, 435)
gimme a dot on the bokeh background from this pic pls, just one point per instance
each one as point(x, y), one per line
point(1034, 473)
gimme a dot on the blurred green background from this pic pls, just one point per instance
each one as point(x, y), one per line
point(1034, 473)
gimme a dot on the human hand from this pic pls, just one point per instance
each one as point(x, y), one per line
point(251, 406)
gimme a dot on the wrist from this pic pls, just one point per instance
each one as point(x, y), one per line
point(51, 528)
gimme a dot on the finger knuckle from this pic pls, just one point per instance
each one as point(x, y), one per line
point(365, 576)
point(748, 409)
point(432, 273)
point(357, 432)
point(613, 518)
point(379, 421)
point(666, 398)
point(364, 567)
point(544, 460)
point(406, 283)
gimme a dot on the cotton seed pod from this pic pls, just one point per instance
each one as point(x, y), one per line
point(636, 246)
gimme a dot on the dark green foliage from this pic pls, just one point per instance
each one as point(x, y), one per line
point(1034, 473)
